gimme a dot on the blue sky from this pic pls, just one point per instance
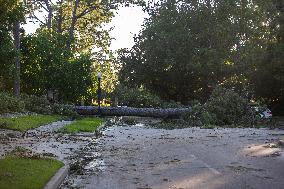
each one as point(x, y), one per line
point(126, 23)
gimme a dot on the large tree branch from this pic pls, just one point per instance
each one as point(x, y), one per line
point(86, 11)
point(50, 1)
point(47, 4)
point(42, 5)
point(35, 17)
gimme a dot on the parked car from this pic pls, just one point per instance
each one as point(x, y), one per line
point(263, 112)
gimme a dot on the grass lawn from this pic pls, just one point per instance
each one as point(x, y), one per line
point(24, 173)
point(27, 122)
point(83, 125)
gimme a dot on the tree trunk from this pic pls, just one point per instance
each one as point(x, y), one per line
point(129, 111)
point(50, 14)
point(16, 33)
point(73, 22)
point(60, 18)
point(49, 19)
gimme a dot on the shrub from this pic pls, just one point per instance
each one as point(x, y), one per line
point(136, 97)
point(37, 104)
point(208, 118)
point(224, 107)
point(42, 106)
point(228, 106)
point(32, 103)
point(171, 104)
point(141, 98)
point(9, 103)
point(63, 109)
point(199, 116)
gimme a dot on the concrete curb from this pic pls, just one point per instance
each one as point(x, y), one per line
point(58, 178)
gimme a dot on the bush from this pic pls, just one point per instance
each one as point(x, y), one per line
point(141, 98)
point(32, 103)
point(199, 116)
point(36, 104)
point(42, 106)
point(136, 97)
point(171, 104)
point(228, 106)
point(224, 107)
point(208, 118)
point(9, 103)
point(63, 109)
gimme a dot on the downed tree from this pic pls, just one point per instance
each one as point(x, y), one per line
point(129, 111)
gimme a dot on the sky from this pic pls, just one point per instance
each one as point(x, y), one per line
point(126, 23)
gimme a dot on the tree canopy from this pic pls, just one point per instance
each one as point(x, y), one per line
point(65, 52)
point(184, 50)
point(187, 48)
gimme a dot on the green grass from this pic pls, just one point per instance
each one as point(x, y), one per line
point(24, 173)
point(83, 125)
point(27, 122)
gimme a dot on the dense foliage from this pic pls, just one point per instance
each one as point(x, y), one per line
point(136, 97)
point(140, 97)
point(187, 48)
point(8, 103)
point(224, 107)
point(34, 104)
point(63, 55)
point(10, 12)
point(47, 66)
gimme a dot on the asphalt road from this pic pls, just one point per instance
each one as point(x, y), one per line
point(137, 157)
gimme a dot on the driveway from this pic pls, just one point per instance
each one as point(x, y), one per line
point(139, 157)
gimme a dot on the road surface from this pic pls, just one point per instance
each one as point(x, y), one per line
point(137, 157)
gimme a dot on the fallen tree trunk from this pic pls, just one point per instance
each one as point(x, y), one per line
point(129, 111)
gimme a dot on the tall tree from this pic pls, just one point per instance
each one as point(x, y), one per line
point(188, 47)
point(12, 13)
point(76, 28)
point(268, 74)
point(46, 67)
